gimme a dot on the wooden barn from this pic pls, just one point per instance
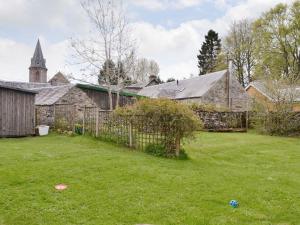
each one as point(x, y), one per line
point(16, 111)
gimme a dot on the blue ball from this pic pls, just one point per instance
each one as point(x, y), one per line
point(234, 203)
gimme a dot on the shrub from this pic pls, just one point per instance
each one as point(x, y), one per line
point(160, 151)
point(280, 120)
point(156, 150)
point(203, 107)
point(174, 120)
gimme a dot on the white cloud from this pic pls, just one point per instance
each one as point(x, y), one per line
point(175, 49)
point(166, 4)
point(252, 8)
point(59, 15)
point(151, 5)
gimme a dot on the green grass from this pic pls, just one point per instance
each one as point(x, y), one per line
point(111, 185)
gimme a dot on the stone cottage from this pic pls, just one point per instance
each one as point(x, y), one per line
point(218, 88)
point(260, 92)
point(58, 91)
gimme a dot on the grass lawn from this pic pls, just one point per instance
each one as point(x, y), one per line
point(112, 185)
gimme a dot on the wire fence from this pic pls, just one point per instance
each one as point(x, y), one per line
point(135, 131)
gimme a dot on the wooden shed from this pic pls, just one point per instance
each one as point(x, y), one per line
point(17, 111)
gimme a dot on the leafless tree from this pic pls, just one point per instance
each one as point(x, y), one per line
point(239, 47)
point(108, 42)
point(144, 69)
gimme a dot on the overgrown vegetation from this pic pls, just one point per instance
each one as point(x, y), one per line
point(172, 119)
point(275, 115)
point(207, 107)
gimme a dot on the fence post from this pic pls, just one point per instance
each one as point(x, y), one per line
point(83, 121)
point(130, 134)
point(247, 120)
point(74, 117)
point(54, 116)
point(97, 122)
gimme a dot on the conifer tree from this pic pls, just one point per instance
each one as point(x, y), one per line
point(209, 52)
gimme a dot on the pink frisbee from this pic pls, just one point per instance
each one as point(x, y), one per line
point(61, 187)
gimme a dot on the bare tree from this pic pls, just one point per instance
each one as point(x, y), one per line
point(153, 68)
point(144, 69)
point(108, 42)
point(239, 47)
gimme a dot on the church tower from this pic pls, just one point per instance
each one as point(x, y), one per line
point(37, 69)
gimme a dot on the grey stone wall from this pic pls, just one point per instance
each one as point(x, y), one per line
point(72, 104)
point(218, 95)
point(223, 120)
point(44, 115)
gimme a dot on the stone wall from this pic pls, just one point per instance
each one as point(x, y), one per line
point(75, 98)
point(223, 120)
point(236, 99)
point(44, 115)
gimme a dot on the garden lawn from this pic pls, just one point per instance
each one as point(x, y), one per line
point(111, 185)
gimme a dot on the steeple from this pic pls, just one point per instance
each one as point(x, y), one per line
point(37, 69)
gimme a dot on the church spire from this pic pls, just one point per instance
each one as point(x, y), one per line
point(37, 69)
point(38, 60)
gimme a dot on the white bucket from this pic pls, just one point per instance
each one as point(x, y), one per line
point(43, 130)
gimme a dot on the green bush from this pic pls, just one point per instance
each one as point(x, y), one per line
point(172, 119)
point(160, 151)
point(156, 150)
point(207, 107)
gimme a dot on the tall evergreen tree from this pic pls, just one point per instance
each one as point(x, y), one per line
point(209, 52)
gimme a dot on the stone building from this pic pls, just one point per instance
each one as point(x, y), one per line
point(218, 88)
point(59, 92)
point(58, 79)
point(260, 92)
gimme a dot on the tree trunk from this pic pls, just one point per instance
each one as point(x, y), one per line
point(110, 99)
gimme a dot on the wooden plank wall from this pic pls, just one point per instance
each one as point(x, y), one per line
point(16, 113)
point(102, 99)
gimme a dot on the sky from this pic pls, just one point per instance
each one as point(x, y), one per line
point(168, 31)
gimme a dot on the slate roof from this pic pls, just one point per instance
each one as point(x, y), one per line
point(3, 85)
point(261, 87)
point(188, 88)
point(23, 85)
point(50, 95)
point(141, 85)
point(38, 61)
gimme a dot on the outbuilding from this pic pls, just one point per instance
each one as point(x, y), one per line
point(17, 111)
